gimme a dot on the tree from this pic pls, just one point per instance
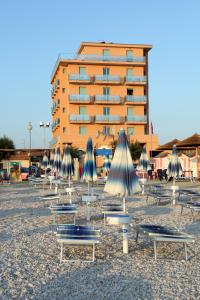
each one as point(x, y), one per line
point(75, 152)
point(6, 143)
point(135, 149)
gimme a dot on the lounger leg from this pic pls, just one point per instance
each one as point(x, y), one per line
point(186, 257)
point(74, 219)
point(155, 250)
point(104, 219)
point(93, 253)
point(61, 252)
point(137, 236)
point(182, 210)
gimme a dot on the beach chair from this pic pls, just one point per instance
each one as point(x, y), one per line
point(77, 236)
point(193, 206)
point(112, 208)
point(158, 233)
point(63, 209)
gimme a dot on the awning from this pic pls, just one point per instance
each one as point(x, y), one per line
point(103, 152)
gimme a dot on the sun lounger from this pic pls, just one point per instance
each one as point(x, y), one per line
point(61, 209)
point(194, 206)
point(72, 235)
point(164, 234)
point(50, 197)
point(112, 208)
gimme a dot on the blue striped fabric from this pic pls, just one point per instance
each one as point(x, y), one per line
point(57, 161)
point(45, 161)
point(122, 179)
point(174, 168)
point(143, 164)
point(89, 168)
point(67, 169)
point(52, 158)
point(107, 163)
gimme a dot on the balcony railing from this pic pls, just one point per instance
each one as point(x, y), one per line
point(80, 118)
point(107, 98)
point(111, 58)
point(55, 86)
point(136, 119)
point(109, 118)
point(79, 77)
point(79, 98)
point(133, 99)
point(107, 78)
point(55, 124)
point(136, 79)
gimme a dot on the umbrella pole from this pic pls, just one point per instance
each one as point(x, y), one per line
point(124, 204)
point(174, 191)
point(88, 187)
point(125, 238)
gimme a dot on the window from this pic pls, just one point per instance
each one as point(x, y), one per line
point(82, 91)
point(63, 90)
point(106, 111)
point(82, 110)
point(106, 71)
point(106, 130)
point(64, 129)
point(130, 92)
point(82, 130)
point(106, 52)
point(129, 72)
point(64, 109)
point(106, 91)
point(129, 53)
point(63, 70)
point(129, 111)
point(130, 130)
point(82, 70)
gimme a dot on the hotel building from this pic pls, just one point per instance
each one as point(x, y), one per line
point(103, 88)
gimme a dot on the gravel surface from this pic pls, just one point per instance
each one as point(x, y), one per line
point(29, 252)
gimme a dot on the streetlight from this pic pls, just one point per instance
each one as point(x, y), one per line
point(44, 125)
point(29, 127)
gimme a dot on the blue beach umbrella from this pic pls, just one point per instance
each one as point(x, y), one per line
point(57, 162)
point(51, 160)
point(121, 178)
point(89, 168)
point(67, 168)
point(45, 162)
point(143, 164)
point(174, 168)
point(107, 163)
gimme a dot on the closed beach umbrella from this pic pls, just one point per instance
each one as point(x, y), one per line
point(122, 179)
point(174, 168)
point(57, 162)
point(89, 168)
point(51, 160)
point(45, 162)
point(67, 169)
point(143, 164)
point(107, 163)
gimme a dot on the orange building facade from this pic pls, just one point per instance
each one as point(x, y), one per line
point(97, 92)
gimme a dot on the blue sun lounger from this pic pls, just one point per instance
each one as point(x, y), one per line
point(63, 209)
point(73, 235)
point(164, 234)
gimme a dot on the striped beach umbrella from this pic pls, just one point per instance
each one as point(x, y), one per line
point(122, 179)
point(57, 162)
point(143, 164)
point(45, 161)
point(67, 168)
point(174, 168)
point(89, 168)
point(107, 163)
point(51, 160)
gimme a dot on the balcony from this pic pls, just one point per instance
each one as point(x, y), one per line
point(136, 119)
point(55, 124)
point(94, 57)
point(136, 80)
point(136, 99)
point(107, 99)
point(78, 78)
point(80, 119)
point(109, 119)
point(105, 79)
point(55, 88)
point(79, 99)
point(53, 142)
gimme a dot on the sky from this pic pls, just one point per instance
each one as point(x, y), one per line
point(33, 33)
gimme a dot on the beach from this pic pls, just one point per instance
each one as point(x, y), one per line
point(30, 253)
